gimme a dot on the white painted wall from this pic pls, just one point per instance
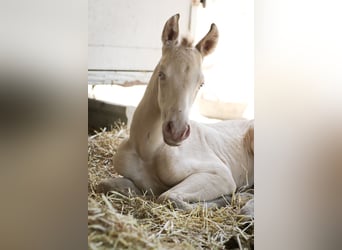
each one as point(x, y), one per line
point(125, 34)
point(229, 71)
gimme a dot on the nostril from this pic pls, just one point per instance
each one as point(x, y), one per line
point(188, 131)
point(169, 127)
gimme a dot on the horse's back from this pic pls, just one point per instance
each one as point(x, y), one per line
point(229, 131)
point(233, 127)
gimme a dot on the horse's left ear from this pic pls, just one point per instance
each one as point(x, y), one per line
point(209, 42)
point(171, 31)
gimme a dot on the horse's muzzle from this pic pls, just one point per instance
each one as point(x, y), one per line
point(174, 136)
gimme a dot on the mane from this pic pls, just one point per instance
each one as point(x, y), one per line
point(187, 41)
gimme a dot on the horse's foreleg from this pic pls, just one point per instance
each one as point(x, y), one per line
point(121, 185)
point(199, 187)
point(124, 162)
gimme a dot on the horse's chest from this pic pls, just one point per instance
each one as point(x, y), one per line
point(172, 167)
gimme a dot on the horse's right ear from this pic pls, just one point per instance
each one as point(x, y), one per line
point(171, 31)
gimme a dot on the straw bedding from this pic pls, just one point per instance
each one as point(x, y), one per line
point(119, 222)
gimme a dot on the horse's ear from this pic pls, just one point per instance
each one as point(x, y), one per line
point(171, 30)
point(208, 43)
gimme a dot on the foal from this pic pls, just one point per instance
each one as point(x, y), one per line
point(174, 158)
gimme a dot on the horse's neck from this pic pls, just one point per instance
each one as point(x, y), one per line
point(146, 127)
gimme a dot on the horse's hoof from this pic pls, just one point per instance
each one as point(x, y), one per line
point(248, 209)
point(102, 187)
point(175, 201)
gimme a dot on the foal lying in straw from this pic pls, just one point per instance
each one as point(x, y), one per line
point(176, 159)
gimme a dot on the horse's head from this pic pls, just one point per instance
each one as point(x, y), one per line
point(179, 79)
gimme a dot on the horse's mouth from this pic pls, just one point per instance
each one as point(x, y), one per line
point(171, 142)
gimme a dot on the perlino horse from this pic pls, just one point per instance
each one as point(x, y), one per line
point(168, 155)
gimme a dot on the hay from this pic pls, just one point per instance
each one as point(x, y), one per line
point(119, 222)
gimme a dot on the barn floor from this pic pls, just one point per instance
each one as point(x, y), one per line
point(119, 222)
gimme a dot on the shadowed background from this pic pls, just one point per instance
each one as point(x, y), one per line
point(43, 142)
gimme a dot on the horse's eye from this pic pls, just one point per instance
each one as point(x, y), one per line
point(161, 75)
point(202, 84)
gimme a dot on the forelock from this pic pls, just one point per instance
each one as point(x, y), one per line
point(187, 41)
